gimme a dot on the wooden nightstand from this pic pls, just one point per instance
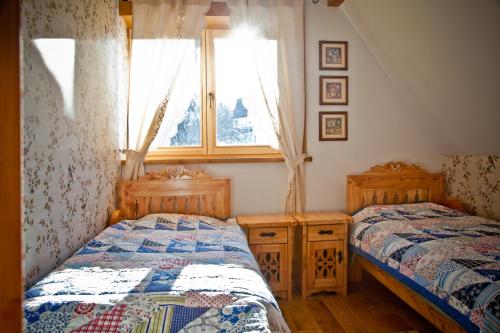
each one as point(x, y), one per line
point(321, 252)
point(271, 240)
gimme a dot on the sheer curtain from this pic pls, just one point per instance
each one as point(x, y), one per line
point(283, 90)
point(164, 31)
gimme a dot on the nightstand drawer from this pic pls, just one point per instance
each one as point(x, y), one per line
point(267, 235)
point(325, 232)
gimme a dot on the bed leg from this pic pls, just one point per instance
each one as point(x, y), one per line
point(355, 272)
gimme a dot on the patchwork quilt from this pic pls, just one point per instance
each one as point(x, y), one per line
point(451, 257)
point(164, 273)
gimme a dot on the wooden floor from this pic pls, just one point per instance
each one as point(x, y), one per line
point(368, 307)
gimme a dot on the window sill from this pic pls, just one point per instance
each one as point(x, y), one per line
point(201, 159)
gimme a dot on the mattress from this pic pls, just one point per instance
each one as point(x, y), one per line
point(450, 258)
point(163, 273)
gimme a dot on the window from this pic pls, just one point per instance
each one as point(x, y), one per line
point(217, 107)
point(183, 123)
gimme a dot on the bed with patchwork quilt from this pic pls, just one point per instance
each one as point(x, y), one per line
point(163, 273)
point(450, 258)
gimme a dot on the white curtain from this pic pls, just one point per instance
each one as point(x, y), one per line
point(283, 90)
point(164, 32)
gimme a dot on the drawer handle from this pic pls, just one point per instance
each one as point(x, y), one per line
point(325, 232)
point(267, 234)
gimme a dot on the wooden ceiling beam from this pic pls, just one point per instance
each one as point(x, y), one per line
point(216, 9)
point(335, 3)
point(217, 16)
point(125, 11)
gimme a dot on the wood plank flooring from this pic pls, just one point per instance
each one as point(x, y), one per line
point(368, 307)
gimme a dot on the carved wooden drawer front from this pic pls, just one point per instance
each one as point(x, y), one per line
point(267, 236)
point(325, 232)
point(272, 260)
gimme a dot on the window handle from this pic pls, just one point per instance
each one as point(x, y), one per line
point(210, 99)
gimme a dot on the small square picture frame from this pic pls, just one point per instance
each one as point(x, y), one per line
point(333, 90)
point(333, 55)
point(333, 126)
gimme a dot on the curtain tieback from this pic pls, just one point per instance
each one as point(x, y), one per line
point(296, 161)
point(133, 156)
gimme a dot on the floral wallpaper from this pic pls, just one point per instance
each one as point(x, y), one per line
point(75, 98)
point(475, 180)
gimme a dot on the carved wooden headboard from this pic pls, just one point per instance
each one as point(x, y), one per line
point(158, 194)
point(393, 183)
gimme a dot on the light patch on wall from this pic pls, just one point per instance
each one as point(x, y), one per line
point(58, 55)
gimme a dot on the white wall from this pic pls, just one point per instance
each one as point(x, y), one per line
point(255, 188)
point(442, 105)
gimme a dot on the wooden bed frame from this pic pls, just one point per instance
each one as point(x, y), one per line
point(157, 193)
point(397, 183)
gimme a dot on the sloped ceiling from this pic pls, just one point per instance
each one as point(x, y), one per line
point(439, 54)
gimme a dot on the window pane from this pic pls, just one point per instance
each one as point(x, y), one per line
point(181, 126)
point(188, 130)
point(241, 109)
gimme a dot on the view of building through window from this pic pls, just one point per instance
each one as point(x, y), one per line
point(241, 119)
point(233, 126)
point(240, 113)
point(189, 129)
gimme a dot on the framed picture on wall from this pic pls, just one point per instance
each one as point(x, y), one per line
point(333, 90)
point(332, 126)
point(332, 55)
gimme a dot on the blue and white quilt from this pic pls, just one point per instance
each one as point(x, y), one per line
point(452, 259)
point(163, 273)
